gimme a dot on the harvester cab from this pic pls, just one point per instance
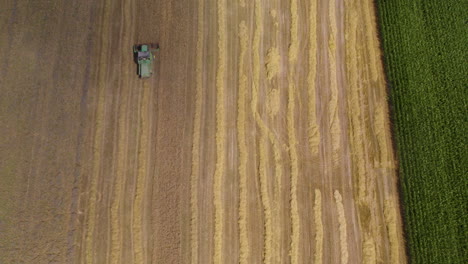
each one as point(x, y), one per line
point(144, 55)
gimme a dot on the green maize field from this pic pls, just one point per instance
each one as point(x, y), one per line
point(424, 44)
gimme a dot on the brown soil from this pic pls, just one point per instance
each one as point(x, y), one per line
point(263, 135)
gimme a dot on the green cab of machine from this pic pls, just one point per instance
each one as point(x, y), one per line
point(144, 55)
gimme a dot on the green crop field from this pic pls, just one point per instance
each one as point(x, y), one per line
point(425, 43)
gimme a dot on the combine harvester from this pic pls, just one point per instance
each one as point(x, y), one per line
point(144, 55)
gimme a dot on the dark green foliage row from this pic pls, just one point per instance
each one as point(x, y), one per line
point(425, 53)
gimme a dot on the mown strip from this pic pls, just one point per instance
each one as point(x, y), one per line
point(424, 46)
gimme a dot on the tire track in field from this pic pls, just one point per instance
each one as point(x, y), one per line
point(98, 142)
point(220, 133)
point(196, 134)
point(142, 171)
point(242, 144)
point(292, 137)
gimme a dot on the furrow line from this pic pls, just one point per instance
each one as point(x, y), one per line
point(243, 153)
point(220, 133)
point(196, 136)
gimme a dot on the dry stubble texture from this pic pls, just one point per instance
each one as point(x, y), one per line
point(286, 135)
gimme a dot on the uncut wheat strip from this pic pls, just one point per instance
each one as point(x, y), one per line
point(377, 85)
point(357, 129)
point(220, 132)
point(371, 39)
point(372, 126)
